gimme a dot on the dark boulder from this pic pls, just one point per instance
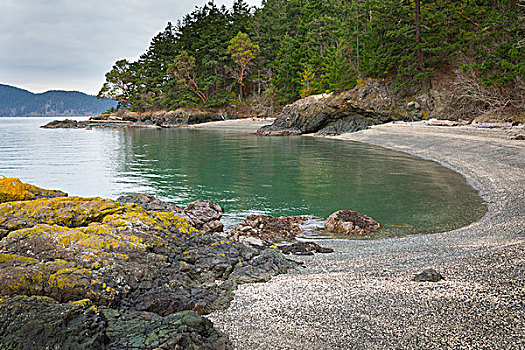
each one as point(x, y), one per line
point(43, 323)
point(304, 248)
point(66, 124)
point(429, 275)
point(349, 222)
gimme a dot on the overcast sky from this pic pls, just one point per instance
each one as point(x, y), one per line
point(71, 44)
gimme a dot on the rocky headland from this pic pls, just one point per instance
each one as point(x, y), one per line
point(93, 273)
point(157, 119)
point(371, 102)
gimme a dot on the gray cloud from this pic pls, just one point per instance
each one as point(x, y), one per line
point(71, 44)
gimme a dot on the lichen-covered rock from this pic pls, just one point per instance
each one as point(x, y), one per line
point(124, 257)
point(265, 230)
point(116, 254)
point(12, 189)
point(349, 222)
point(202, 214)
point(149, 202)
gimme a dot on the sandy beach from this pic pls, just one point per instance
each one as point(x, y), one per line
point(363, 297)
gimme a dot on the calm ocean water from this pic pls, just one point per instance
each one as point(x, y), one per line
point(246, 174)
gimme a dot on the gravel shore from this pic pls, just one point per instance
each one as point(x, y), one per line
point(363, 297)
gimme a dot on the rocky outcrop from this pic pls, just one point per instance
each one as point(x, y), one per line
point(266, 230)
point(124, 258)
point(161, 119)
point(203, 215)
point(349, 222)
point(43, 323)
point(371, 102)
point(12, 189)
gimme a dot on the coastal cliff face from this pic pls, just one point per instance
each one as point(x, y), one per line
point(371, 102)
point(125, 276)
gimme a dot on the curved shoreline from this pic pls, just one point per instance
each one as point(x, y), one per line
point(362, 296)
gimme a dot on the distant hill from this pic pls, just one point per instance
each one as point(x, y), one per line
point(15, 102)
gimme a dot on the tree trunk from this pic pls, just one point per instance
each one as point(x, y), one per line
point(419, 53)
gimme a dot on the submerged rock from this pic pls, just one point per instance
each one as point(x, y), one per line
point(265, 230)
point(429, 275)
point(349, 222)
point(122, 257)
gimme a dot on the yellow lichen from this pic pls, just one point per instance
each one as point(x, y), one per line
point(82, 303)
point(12, 189)
point(16, 259)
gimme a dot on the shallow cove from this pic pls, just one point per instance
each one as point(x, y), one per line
point(246, 174)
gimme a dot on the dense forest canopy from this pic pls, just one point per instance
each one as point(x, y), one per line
point(287, 49)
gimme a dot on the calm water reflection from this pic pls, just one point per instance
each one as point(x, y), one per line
point(244, 173)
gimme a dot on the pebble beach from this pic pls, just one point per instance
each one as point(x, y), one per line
point(363, 297)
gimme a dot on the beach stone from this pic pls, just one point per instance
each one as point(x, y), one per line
point(429, 275)
point(266, 229)
point(304, 248)
point(349, 222)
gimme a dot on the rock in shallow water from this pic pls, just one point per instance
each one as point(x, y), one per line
point(349, 222)
point(265, 230)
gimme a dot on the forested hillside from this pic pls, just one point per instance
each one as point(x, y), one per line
point(263, 58)
point(15, 102)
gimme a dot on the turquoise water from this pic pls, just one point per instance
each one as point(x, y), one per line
point(246, 174)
